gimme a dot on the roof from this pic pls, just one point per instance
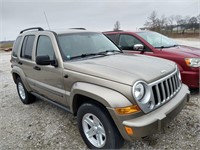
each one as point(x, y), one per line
point(57, 31)
point(66, 31)
point(121, 31)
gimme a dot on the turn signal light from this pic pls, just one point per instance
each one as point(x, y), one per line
point(188, 62)
point(129, 130)
point(128, 110)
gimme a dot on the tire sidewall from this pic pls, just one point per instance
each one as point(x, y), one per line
point(25, 100)
point(105, 120)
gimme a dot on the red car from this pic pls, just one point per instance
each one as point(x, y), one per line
point(158, 45)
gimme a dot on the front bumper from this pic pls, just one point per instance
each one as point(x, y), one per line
point(157, 119)
point(191, 78)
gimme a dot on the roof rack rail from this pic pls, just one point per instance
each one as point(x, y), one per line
point(78, 28)
point(38, 28)
point(114, 31)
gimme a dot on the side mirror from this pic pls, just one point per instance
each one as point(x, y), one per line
point(138, 47)
point(45, 60)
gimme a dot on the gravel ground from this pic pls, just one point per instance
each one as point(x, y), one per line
point(44, 126)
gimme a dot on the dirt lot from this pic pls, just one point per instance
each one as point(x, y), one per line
point(194, 42)
point(44, 126)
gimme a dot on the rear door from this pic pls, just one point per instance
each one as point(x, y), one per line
point(25, 60)
point(15, 51)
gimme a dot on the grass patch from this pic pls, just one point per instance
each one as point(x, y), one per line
point(4, 45)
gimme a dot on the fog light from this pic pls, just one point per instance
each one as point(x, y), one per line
point(129, 130)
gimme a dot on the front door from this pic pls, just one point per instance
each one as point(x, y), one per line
point(47, 80)
point(127, 42)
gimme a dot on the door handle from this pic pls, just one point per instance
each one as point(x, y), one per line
point(66, 76)
point(37, 68)
point(19, 62)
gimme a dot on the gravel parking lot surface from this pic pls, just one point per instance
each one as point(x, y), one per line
point(44, 126)
point(194, 42)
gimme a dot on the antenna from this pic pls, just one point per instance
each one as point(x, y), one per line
point(46, 19)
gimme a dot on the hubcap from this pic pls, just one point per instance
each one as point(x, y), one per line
point(21, 90)
point(94, 130)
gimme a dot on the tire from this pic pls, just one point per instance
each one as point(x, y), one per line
point(24, 95)
point(97, 128)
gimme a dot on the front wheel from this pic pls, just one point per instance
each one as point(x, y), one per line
point(97, 129)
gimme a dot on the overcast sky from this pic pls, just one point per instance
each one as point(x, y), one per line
point(97, 15)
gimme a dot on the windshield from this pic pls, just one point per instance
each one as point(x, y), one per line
point(157, 40)
point(83, 44)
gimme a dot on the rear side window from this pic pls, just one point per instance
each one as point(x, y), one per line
point(16, 46)
point(45, 47)
point(27, 47)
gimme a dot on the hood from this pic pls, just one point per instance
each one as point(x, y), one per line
point(123, 68)
point(185, 51)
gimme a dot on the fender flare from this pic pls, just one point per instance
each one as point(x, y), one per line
point(105, 96)
point(20, 73)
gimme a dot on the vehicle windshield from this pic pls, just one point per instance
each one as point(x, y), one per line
point(157, 40)
point(78, 45)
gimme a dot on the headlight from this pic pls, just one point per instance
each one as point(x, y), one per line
point(141, 92)
point(193, 62)
point(138, 91)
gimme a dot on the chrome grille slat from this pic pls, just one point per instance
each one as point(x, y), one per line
point(173, 83)
point(174, 78)
point(176, 87)
point(165, 89)
point(177, 81)
point(158, 94)
point(171, 87)
point(168, 94)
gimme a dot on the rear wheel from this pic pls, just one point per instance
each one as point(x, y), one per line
point(24, 95)
point(97, 129)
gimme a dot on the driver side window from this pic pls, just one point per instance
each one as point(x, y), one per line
point(45, 47)
point(126, 42)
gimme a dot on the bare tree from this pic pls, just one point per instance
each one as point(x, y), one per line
point(182, 24)
point(163, 22)
point(178, 19)
point(198, 19)
point(152, 22)
point(155, 23)
point(171, 21)
point(193, 22)
point(116, 26)
point(187, 18)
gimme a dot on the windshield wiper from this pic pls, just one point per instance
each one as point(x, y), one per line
point(103, 53)
point(86, 55)
point(107, 51)
point(175, 45)
point(161, 47)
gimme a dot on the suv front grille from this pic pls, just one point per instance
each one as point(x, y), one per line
point(165, 89)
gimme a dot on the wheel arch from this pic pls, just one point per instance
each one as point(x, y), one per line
point(18, 73)
point(86, 92)
point(15, 76)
